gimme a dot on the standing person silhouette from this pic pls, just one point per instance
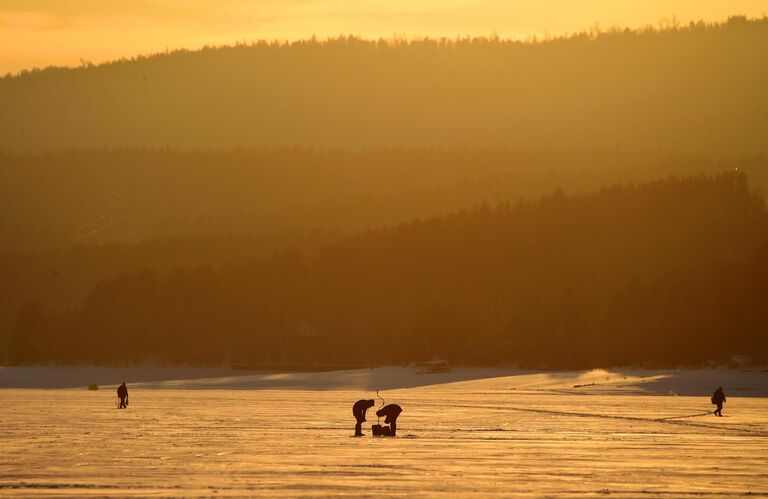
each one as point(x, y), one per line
point(390, 413)
point(718, 398)
point(359, 410)
point(122, 394)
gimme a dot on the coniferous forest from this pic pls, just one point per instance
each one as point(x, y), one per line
point(697, 88)
point(665, 272)
point(590, 200)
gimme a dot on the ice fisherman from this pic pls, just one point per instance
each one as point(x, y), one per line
point(718, 398)
point(359, 410)
point(390, 413)
point(122, 394)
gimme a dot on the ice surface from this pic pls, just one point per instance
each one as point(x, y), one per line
point(482, 432)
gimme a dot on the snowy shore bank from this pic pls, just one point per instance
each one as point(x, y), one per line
point(746, 383)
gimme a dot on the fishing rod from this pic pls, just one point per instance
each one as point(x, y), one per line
point(378, 418)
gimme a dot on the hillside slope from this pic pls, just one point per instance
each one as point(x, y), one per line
point(700, 88)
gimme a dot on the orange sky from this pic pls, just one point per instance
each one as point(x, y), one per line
point(38, 33)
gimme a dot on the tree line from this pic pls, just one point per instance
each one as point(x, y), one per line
point(90, 197)
point(687, 89)
point(668, 272)
point(69, 219)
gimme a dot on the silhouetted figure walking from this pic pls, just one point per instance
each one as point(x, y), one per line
point(122, 394)
point(390, 413)
point(359, 410)
point(718, 398)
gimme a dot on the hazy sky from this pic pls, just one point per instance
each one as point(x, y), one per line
point(38, 33)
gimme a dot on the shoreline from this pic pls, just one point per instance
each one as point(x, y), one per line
point(746, 382)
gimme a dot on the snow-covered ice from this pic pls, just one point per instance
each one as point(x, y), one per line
point(470, 431)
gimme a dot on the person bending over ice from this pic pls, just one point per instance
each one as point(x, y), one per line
point(390, 413)
point(359, 410)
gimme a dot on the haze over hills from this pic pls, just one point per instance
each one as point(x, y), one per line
point(392, 187)
point(91, 197)
point(694, 89)
point(489, 120)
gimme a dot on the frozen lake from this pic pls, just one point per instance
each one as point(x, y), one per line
point(479, 432)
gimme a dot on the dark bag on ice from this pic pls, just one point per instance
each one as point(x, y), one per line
point(712, 399)
point(381, 431)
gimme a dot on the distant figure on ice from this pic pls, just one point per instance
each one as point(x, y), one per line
point(390, 413)
point(359, 410)
point(718, 398)
point(122, 394)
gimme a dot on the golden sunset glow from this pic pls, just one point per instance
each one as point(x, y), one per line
point(402, 248)
point(42, 33)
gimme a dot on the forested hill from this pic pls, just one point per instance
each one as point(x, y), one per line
point(665, 273)
point(701, 88)
point(67, 198)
